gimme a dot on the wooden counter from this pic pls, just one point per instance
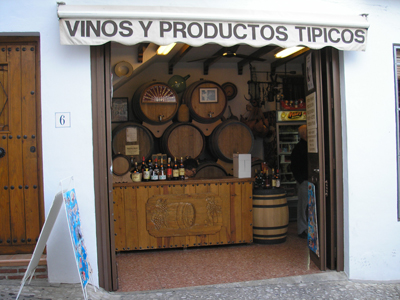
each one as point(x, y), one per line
point(189, 213)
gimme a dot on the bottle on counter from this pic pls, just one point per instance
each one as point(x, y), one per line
point(162, 175)
point(273, 179)
point(150, 166)
point(181, 170)
point(136, 175)
point(146, 175)
point(169, 169)
point(175, 170)
point(268, 183)
point(155, 172)
point(143, 165)
point(277, 179)
point(258, 179)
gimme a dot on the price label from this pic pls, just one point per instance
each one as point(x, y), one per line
point(63, 119)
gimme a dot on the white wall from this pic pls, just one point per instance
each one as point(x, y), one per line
point(372, 246)
point(373, 230)
point(65, 87)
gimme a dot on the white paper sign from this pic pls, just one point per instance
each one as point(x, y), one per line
point(312, 140)
point(131, 134)
point(311, 109)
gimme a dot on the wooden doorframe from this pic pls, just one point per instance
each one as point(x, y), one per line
point(100, 57)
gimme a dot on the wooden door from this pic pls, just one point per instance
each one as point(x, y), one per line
point(21, 202)
point(316, 149)
point(325, 162)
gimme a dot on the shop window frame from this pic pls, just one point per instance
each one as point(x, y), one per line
point(396, 57)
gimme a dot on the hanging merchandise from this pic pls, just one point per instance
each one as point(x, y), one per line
point(178, 83)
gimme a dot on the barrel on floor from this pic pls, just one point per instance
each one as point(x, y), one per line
point(270, 216)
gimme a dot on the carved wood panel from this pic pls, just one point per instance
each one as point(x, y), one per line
point(199, 213)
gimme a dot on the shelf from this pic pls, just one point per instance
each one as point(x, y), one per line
point(285, 153)
point(284, 163)
point(289, 132)
point(288, 182)
point(291, 143)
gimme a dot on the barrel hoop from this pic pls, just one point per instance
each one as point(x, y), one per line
point(270, 206)
point(269, 235)
point(273, 197)
point(271, 228)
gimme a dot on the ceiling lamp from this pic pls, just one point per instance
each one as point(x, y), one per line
point(164, 50)
point(288, 51)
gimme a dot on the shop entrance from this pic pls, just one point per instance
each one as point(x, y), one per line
point(101, 68)
point(21, 198)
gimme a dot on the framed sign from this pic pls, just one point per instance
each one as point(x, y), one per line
point(119, 110)
point(208, 95)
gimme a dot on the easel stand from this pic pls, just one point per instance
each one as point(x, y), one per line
point(68, 198)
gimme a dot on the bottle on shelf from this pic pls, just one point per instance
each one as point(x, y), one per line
point(181, 170)
point(150, 166)
point(143, 165)
point(136, 175)
point(162, 175)
point(169, 169)
point(268, 183)
point(156, 170)
point(175, 170)
point(146, 174)
point(273, 179)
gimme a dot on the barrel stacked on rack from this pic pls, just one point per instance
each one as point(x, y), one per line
point(155, 106)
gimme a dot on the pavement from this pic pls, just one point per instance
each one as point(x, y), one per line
point(326, 285)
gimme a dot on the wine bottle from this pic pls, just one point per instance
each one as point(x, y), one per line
point(143, 166)
point(267, 180)
point(175, 171)
point(150, 166)
point(146, 174)
point(181, 170)
point(162, 175)
point(156, 170)
point(169, 169)
point(135, 174)
point(277, 179)
point(273, 183)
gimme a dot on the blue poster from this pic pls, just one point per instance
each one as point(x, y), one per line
point(74, 223)
point(312, 238)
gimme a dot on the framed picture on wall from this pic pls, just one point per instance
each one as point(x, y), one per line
point(119, 110)
point(208, 95)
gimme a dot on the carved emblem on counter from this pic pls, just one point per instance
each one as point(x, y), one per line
point(183, 215)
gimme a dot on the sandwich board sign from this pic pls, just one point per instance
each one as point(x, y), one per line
point(67, 199)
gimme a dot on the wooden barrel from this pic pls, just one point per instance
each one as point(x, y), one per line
point(121, 164)
point(155, 103)
point(206, 101)
point(270, 216)
point(183, 139)
point(133, 140)
point(230, 137)
point(210, 170)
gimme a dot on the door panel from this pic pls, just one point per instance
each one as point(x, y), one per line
point(325, 166)
point(29, 146)
point(20, 201)
point(316, 161)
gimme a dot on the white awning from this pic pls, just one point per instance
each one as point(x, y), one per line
point(130, 25)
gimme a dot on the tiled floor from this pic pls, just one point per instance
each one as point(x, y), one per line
point(174, 268)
